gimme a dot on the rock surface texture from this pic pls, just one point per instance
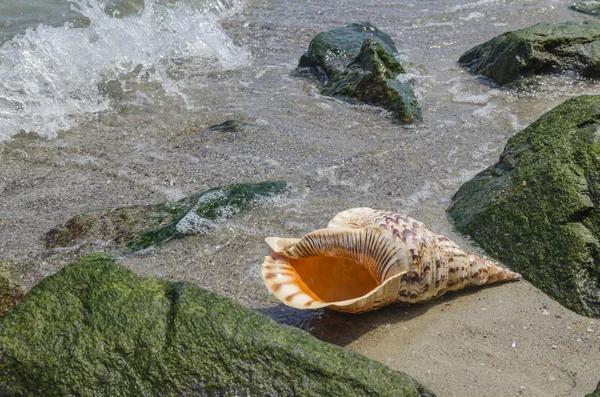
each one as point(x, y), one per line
point(540, 49)
point(536, 209)
point(96, 328)
point(358, 62)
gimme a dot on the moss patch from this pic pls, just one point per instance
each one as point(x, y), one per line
point(96, 328)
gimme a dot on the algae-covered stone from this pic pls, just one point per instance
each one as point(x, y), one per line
point(11, 285)
point(540, 49)
point(587, 7)
point(96, 328)
point(536, 209)
point(358, 62)
point(140, 227)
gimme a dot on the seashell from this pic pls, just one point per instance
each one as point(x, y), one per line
point(366, 259)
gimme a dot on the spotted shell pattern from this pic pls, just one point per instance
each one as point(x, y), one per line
point(408, 262)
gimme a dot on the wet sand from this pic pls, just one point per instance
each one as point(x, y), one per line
point(335, 156)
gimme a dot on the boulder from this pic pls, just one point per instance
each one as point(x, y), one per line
point(96, 328)
point(359, 63)
point(540, 49)
point(536, 209)
point(141, 227)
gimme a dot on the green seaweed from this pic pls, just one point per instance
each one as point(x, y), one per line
point(95, 328)
point(537, 208)
point(213, 205)
point(540, 49)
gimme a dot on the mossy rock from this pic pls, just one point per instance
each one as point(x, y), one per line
point(587, 7)
point(358, 63)
point(140, 227)
point(11, 286)
point(537, 208)
point(540, 49)
point(97, 329)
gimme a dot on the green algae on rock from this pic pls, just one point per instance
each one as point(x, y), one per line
point(587, 7)
point(536, 209)
point(96, 328)
point(359, 62)
point(140, 227)
point(11, 286)
point(540, 49)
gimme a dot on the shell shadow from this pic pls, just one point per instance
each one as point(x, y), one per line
point(342, 328)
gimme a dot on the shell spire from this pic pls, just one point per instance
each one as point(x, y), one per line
point(366, 259)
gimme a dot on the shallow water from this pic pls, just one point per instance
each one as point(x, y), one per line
point(109, 132)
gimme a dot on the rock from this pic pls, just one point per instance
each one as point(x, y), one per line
point(535, 209)
point(540, 49)
point(587, 7)
point(96, 328)
point(140, 227)
point(232, 126)
point(358, 62)
point(11, 285)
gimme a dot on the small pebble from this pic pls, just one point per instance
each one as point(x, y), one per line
point(589, 330)
point(513, 344)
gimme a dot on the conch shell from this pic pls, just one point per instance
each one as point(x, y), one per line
point(366, 259)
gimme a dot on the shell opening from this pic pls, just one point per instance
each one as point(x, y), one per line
point(332, 279)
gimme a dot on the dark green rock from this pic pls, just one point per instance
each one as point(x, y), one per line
point(540, 49)
point(536, 209)
point(587, 7)
point(140, 227)
point(358, 62)
point(97, 329)
point(11, 286)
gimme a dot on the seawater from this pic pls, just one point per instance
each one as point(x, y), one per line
point(63, 60)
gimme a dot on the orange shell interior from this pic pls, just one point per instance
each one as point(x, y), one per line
point(331, 279)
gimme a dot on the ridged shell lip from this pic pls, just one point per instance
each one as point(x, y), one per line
point(284, 282)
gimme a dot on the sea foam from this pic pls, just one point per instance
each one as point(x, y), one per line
point(51, 77)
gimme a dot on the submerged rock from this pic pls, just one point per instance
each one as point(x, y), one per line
point(140, 227)
point(587, 7)
point(232, 126)
point(96, 328)
point(11, 285)
point(359, 62)
point(536, 209)
point(540, 49)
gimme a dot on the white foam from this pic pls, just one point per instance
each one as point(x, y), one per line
point(49, 76)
